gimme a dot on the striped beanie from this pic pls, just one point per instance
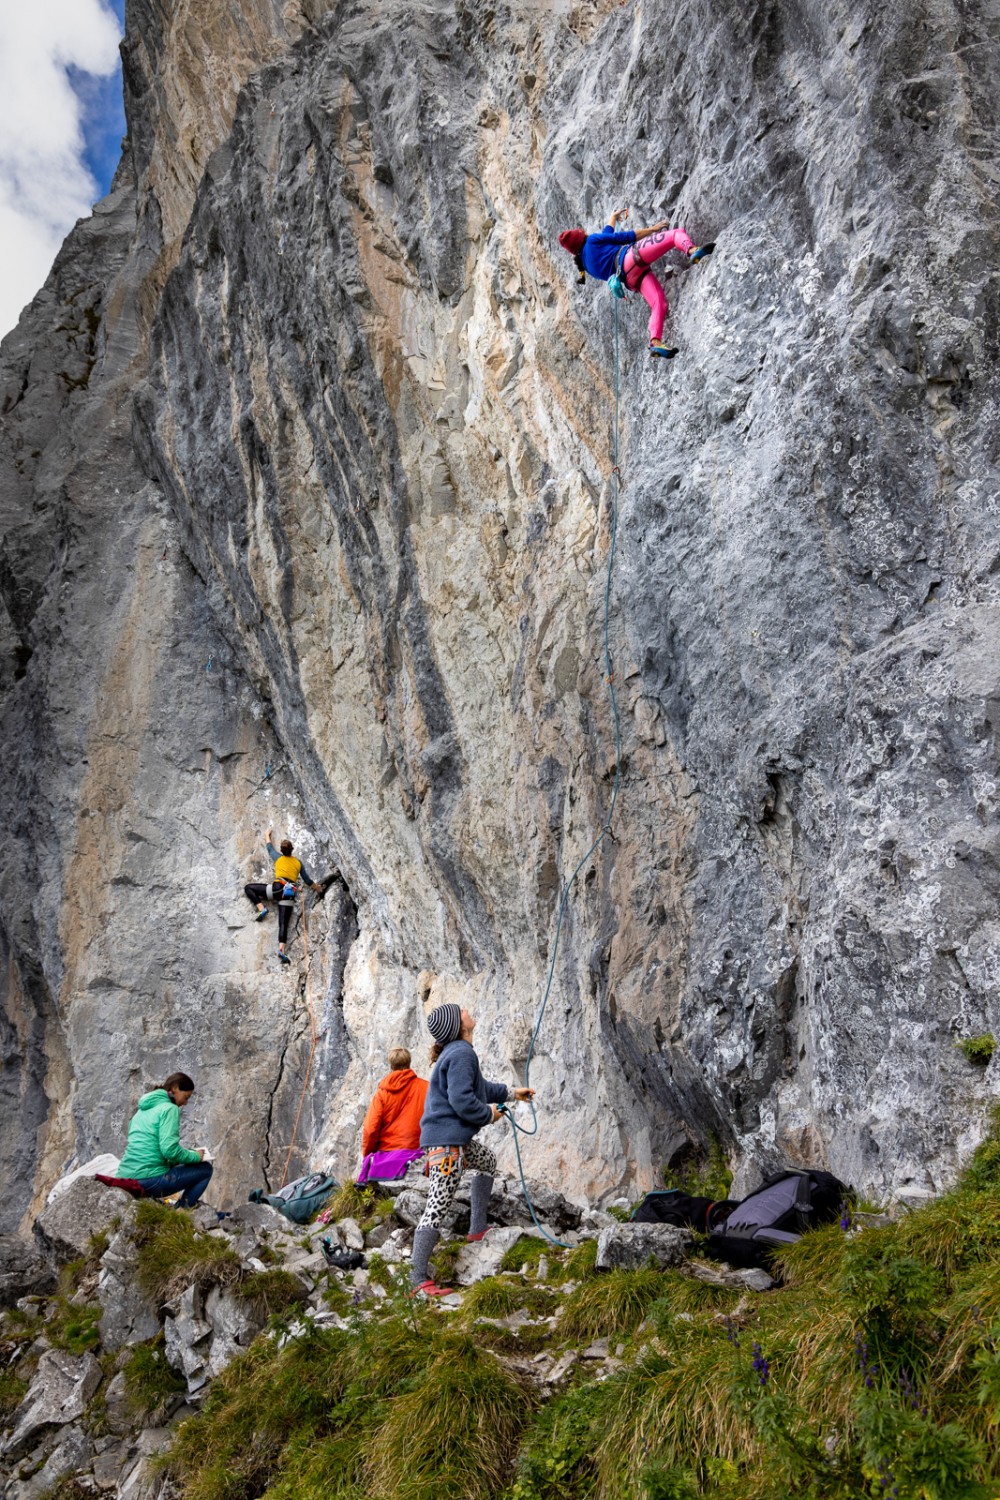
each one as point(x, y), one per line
point(445, 1022)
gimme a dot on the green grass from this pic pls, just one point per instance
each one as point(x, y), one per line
point(527, 1253)
point(493, 1297)
point(379, 1273)
point(149, 1380)
point(610, 1306)
point(979, 1049)
point(391, 1408)
point(883, 1364)
point(270, 1292)
point(444, 1260)
point(366, 1205)
point(12, 1392)
point(704, 1174)
point(581, 1262)
point(171, 1255)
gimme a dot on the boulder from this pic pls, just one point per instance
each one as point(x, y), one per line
point(409, 1206)
point(484, 1256)
point(111, 1463)
point(187, 1339)
point(72, 1452)
point(67, 1224)
point(117, 1413)
point(128, 1315)
point(351, 1233)
point(629, 1247)
point(509, 1206)
point(58, 1394)
point(233, 1318)
point(23, 1271)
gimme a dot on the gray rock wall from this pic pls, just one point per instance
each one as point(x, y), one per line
point(360, 426)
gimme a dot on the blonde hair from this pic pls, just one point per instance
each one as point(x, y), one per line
point(399, 1058)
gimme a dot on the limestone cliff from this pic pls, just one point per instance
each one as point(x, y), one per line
point(306, 462)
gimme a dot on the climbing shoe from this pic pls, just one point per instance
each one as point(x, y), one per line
point(431, 1289)
point(660, 351)
point(283, 958)
point(262, 913)
point(700, 251)
point(480, 1234)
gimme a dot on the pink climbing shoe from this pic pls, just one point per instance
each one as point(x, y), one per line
point(473, 1239)
point(431, 1289)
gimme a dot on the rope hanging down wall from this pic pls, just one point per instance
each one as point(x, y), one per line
point(605, 826)
point(312, 1042)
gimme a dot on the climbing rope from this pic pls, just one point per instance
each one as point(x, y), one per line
point(312, 1044)
point(605, 826)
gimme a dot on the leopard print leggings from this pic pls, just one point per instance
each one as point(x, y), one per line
point(445, 1165)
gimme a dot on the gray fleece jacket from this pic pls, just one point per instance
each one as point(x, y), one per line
point(458, 1098)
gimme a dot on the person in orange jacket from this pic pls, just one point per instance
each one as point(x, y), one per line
point(390, 1135)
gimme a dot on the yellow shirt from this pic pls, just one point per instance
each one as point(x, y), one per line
point(287, 868)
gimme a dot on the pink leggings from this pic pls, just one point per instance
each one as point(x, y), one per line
point(643, 253)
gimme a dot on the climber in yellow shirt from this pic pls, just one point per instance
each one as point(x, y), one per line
point(287, 873)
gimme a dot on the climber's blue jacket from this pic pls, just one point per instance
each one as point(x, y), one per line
point(458, 1098)
point(599, 250)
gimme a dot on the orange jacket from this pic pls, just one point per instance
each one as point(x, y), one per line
point(393, 1119)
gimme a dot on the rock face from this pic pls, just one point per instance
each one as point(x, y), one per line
point(306, 463)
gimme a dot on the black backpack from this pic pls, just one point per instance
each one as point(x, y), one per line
point(777, 1214)
point(687, 1212)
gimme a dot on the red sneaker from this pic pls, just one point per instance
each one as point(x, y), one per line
point(431, 1289)
point(474, 1239)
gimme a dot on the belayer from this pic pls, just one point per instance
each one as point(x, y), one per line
point(460, 1101)
point(282, 889)
point(629, 253)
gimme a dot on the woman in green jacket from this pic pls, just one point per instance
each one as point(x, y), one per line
point(154, 1156)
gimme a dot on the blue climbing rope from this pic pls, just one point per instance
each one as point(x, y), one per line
point(605, 826)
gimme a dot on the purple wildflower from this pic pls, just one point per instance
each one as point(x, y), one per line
point(761, 1365)
point(910, 1394)
point(731, 1334)
point(845, 1216)
point(868, 1371)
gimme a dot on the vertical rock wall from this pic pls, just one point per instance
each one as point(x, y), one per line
point(371, 419)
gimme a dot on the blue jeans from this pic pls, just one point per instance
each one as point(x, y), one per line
point(193, 1177)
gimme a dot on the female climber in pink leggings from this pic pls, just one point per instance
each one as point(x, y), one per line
point(598, 254)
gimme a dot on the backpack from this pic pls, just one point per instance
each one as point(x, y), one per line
point(300, 1199)
point(777, 1214)
point(675, 1207)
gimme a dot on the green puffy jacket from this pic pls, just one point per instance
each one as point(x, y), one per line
point(154, 1138)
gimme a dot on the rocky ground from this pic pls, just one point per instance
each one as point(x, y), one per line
point(83, 1333)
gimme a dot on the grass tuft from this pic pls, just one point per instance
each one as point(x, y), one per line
point(271, 1292)
point(422, 1449)
point(582, 1262)
point(526, 1253)
point(172, 1255)
point(149, 1380)
point(366, 1204)
point(493, 1297)
point(612, 1305)
point(978, 1049)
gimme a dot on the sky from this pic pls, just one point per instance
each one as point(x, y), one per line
point(61, 124)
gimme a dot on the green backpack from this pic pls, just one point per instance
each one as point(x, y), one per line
point(300, 1199)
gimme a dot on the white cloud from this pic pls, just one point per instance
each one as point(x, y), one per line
point(45, 185)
